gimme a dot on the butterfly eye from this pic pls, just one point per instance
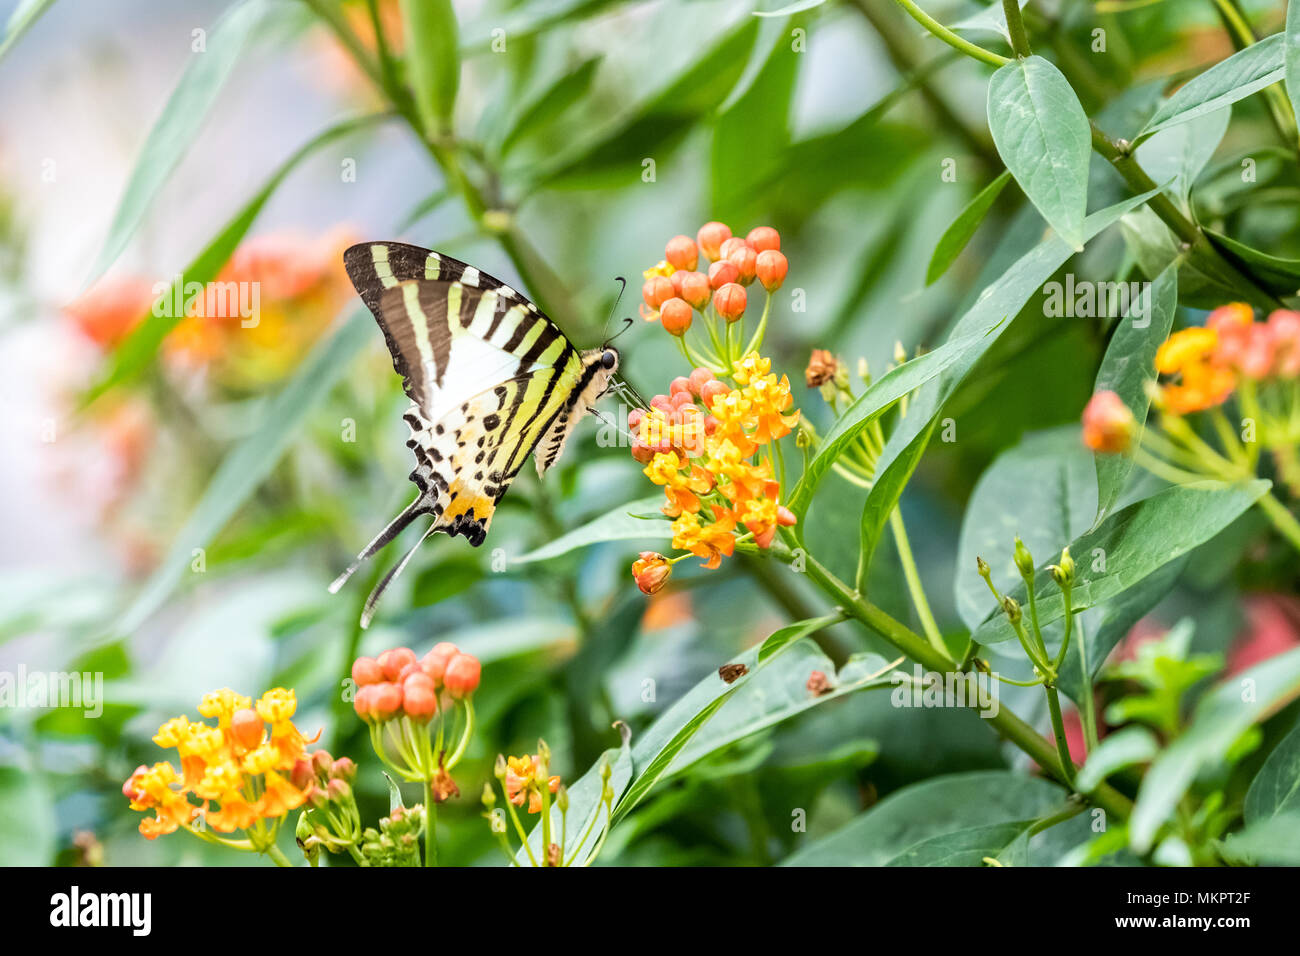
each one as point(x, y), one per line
point(609, 359)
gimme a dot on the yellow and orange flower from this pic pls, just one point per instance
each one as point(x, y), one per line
point(233, 764)
point(523, 782)
point(1201, 381)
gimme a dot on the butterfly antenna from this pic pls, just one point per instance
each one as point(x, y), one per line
point(622, 287)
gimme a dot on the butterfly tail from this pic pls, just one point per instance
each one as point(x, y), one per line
point(395, 527)
point(372, 602)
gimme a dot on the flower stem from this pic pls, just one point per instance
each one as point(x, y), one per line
point(1058, 731)
point(950, 38)
point(430, 826)
point(914, 585)
point(1282, 518)
point(1016, 28)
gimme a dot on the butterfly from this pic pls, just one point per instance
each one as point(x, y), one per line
point(491, 380)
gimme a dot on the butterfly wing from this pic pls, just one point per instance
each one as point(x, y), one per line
point(487, 374)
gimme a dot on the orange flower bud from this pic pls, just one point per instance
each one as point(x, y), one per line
point(364, 702)
point(656, 290)
point(711, 237)
point(730, 301)
point(392, 662)
point(676, 316)
point(682, 253)
point(418, 680)
point(343, 769)
point(463, 672)
point(746, 260)
point(303, 774)
point(771, 267)
point(711, 390)
point(338, 790)
point(694, 288)
point(1108, 425)
point(435, 662)
point(731, 246)
point(651, 571)
point(366, 670)
point(763, 238)
point(722, 272)
point(680, 384)
point(322, 762)
point(698, 379)
point(386, 700)
point(246, 728)
point(1285, 328)
point(420, 701)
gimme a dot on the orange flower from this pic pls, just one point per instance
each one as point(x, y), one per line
point(1108, 424)
point(682, 484)
point(651, 571)
point(522, 782)
point(111, 309)
point(710, 541)
point(1189, 355)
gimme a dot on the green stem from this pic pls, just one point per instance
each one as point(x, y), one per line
point(1087, 706)
point(950, 38)
point(1282, 518)
point(914, 585)
point(1016, 28)
point(430, 826)
point(1058, 731)
point(277, 855)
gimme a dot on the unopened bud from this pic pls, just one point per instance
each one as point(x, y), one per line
point(982, 566)
point(1012, 608)
point(1024, 560)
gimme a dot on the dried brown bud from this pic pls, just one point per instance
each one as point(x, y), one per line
point(822, 368)
point(817, 684)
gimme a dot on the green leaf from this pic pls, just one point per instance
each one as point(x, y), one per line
point(955, 237)
point(182, 118)
point(1177, 155)
point(1221, 717)
point(1132, 544)
point(21, 20)
point(880, 395)
point(634, 521)
point(432, 59)
point(992, 19)
point(244, 468)
point(536, 115)
point(138, 349)
point(937, 807)
point(799, 6)
point(1003, 298)
point(778, 640)
point(1280, 276)
point(1043, 136)
point(656, 749)
point(1127, 368)
point(1041, 490)
point(1132, 745)
point(1276, 788)
point(1291, 59)
point(1223, 84)
point(1272, 841)
point(965, 847)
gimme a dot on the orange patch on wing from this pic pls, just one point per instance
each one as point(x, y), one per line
point(465, 500)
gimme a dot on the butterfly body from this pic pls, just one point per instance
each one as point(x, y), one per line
point(491, 380)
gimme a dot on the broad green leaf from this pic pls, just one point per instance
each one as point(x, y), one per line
point(1176, 155)
point(871, 404)
point(1127, 368)
point(650, 126)
point(1132, 544)
point(778, 640)
point(1133, 745)
point(1221, 717)
point(965, 847)
point(1276, 788)
point(1043, 136)
point(1042, 490)
point(138, 349)
point(933, 808)
point(799, 6)
point(245, 467)
point(534, 117)
point(1223, 84)
point(585, 808)
point(183, 117)
point(432, 60)
point(955, 237)
point(656, 749)
point(1270, 841)
point(21, 20)
point(1001, 300)
point(1291, 59)
point(1280, 276)
point(636, 520)
point(777, 694)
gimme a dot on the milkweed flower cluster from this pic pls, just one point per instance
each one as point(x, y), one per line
point(420, 711)
point(527, 782)
point(1233, 357)
point(711, 441)
point(244, 774)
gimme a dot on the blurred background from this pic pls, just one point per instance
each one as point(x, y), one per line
point(177, 533)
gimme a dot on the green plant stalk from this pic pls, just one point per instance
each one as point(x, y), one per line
point(1087, 706)
point(1058, 731)
point(914, 585)
point(1005, 722)
point(1283, 520)
point(950, 38)
point(430, 826)
point(1016, 28)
